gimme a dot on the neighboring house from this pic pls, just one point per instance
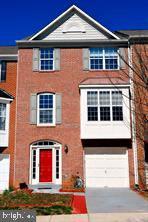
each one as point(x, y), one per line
point(74, 106)
point(8, 70)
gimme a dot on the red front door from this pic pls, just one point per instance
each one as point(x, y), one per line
point(45, 165)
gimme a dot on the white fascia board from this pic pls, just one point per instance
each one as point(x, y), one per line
point(5, 99)
point(8, 55)
point(105, 86)
point(81, 12)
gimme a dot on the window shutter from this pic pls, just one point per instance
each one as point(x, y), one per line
point(57, 59)
point(122, 58)
point(33, 108)
point(36, 58)
point(58, 108)
point(3, 71)
point(85, 59)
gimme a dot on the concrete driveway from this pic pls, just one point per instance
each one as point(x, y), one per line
point(114, 200)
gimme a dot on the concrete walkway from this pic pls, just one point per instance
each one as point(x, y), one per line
point(107, 217)
point(112, 200)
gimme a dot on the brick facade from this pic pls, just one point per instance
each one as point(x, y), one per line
point(10, 86)
point(65, 81)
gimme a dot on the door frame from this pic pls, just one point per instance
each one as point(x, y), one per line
point(55, 180)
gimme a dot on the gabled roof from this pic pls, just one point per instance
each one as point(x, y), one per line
point(131, 33)
point(74, 9)
point(5, 95)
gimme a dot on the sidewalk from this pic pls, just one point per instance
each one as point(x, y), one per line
point(101, 217)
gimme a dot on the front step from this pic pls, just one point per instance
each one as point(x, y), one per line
point(45, 188)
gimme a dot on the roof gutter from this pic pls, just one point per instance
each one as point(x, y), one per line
point(9, 57)
point(72, 43)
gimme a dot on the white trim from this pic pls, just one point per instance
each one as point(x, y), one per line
point(105, 86)
point(50, 147)
point(8, 55)
point(54, 111)
point(5, 99)
point(82, 13)
point(133, 118)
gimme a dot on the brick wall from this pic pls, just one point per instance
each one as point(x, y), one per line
point(140, 64)
point(10, 87)
point(65, 81)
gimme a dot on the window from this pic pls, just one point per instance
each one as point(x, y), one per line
point(104, 58)
point(46, 59)
point(92, 103)
point(57, 164)
point(46, 109)
point(2, 71)
point(104, 97)
point(104, 105)
point(117, 106)
point(34, 165)
point(2, 116)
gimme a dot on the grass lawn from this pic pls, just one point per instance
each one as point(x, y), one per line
point(44, 204)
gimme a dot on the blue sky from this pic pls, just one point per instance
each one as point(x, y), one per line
point(22, 18)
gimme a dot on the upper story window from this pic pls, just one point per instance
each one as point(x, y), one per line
point(2, 71)
point(46, 59)
point(2, 116)
point(104, 59)
point(46, 109)
point(104, 105)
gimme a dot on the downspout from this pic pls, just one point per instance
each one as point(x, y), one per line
point(133, 116)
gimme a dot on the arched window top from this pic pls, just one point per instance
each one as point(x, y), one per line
point(73, 27)
point(44, 143)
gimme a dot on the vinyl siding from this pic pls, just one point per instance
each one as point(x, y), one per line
point(91, 32)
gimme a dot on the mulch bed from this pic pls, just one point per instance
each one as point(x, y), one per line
point(25, 199)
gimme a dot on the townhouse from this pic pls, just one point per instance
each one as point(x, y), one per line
point(8, 72)
point(73, 107)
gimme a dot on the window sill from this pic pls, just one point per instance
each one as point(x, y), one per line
point(46, 126)
point(104, 123)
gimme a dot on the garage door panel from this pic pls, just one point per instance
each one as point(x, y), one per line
point(4, 171)
point(95, 182)
point(107, 170)
point(116, 182)
point(95, 173)
point(96, 163)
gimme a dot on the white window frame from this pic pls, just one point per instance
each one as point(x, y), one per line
point(111, 112)
point(38, 110)
point(46, 70)
point(118, 61)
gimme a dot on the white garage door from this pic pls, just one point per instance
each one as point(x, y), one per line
point(106, 167)
point(4, 171)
